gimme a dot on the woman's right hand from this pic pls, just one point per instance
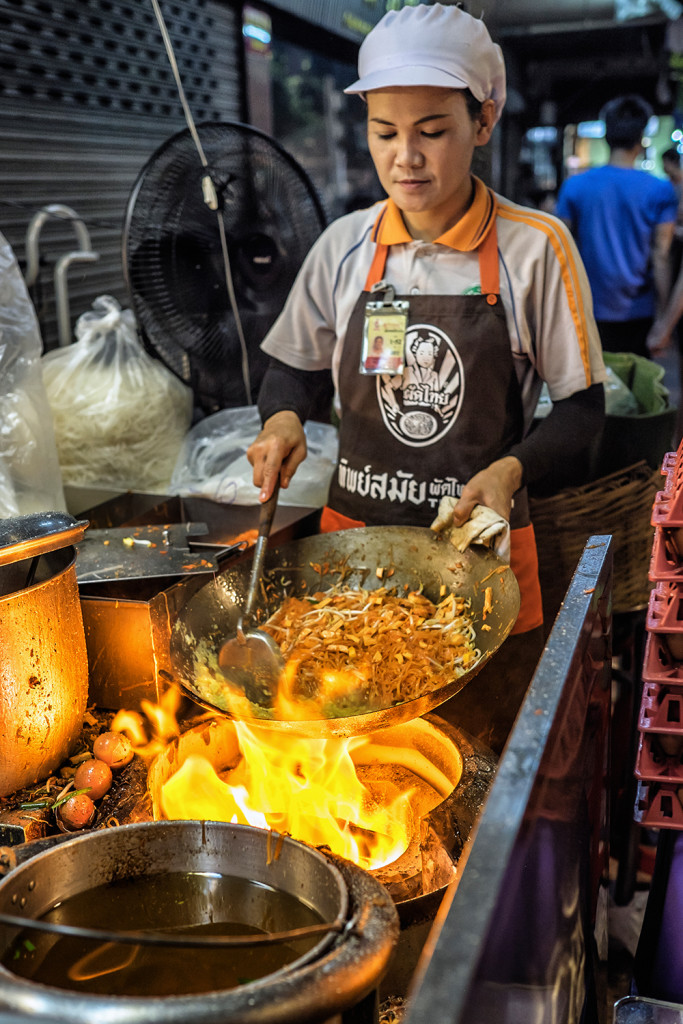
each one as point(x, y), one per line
point(279, 449)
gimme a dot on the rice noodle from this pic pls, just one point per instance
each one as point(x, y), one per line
point(120, 416)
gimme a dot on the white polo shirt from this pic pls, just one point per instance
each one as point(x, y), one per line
point(543, 286)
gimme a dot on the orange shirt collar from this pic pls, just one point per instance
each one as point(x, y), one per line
point(465, 236)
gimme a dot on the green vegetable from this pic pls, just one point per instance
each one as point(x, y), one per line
point(67, 796)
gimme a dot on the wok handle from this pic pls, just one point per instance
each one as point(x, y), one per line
point(265, 522)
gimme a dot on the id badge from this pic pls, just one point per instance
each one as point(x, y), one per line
point(384, 336)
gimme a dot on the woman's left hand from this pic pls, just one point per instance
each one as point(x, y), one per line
point(493, 487)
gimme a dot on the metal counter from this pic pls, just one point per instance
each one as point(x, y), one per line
point(521, 936)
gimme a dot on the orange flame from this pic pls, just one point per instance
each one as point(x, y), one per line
point(161, 717)
point(305, 787)
point(290, 706)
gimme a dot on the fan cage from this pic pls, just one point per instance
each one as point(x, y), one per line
point(173, 261)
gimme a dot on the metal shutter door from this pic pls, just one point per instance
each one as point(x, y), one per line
point(86, 96)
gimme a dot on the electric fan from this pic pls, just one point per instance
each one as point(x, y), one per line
point(203, 297)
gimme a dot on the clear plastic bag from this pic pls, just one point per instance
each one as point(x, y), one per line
point(619, 400)
point(30, 477)
point(213, 462)
point(120, 416)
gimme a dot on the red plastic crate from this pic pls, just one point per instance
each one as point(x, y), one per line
point(654, 763)
point(658, 664)
point(666, 565)
point(667, 508)
point(665, 609)
point(675, 458)
point(669, 462)
point(661, 709)
point(658, 806)
point(668, 504)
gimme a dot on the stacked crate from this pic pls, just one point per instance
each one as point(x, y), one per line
point(659, 761)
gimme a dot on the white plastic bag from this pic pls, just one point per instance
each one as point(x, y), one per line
point(120, 416)
point(30, 478)
point(213, 462)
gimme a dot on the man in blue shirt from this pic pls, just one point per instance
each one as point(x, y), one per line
point(623, 221)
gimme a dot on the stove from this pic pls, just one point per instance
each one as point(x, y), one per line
point(514, 925)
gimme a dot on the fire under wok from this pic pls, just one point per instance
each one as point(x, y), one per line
point(397, 557)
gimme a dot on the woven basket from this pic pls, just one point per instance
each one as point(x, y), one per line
point(620, 505)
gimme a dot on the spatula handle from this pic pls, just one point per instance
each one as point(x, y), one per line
point(267, 513)
point(265, 522)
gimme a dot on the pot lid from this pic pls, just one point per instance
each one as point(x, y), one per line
point(36, 533)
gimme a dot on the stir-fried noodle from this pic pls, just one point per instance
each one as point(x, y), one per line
point(377, 647)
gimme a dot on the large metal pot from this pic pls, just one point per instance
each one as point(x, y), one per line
point(343, 966)
point(43, 657)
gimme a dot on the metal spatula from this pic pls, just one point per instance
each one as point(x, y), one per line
point(252, 659)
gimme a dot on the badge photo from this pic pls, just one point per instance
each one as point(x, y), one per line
point(383, 345)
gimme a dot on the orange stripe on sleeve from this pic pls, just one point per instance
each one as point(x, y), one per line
point(558, 239)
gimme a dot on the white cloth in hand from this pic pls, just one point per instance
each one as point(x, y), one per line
point(483, 527)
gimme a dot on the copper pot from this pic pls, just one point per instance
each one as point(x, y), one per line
point(43, 658)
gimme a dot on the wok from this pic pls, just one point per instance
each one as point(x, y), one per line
point(418, 558)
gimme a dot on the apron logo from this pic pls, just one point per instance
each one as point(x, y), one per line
point(422, 404)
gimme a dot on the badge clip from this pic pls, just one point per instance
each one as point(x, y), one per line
point(384, 332)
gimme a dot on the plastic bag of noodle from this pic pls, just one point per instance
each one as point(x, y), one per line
point(120, 416)
point(30, 479)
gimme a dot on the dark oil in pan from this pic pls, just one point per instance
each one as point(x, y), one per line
point(192, 903)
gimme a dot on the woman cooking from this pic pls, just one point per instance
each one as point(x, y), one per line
point(487, 299)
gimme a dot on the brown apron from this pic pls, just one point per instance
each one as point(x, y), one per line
point(407, 440)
